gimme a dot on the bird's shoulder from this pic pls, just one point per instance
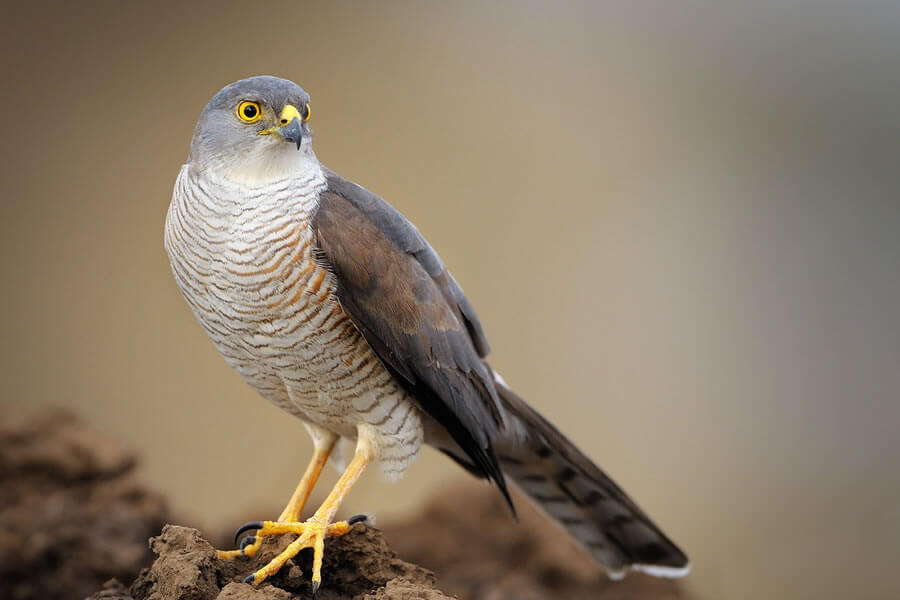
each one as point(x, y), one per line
point(371, 236)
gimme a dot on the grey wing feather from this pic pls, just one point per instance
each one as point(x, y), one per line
point(399, 230)
point(398, 293)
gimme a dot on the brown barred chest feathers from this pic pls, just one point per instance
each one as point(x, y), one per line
point(251, 278)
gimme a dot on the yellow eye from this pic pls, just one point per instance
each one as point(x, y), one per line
point(307, 113)
point(249, 112)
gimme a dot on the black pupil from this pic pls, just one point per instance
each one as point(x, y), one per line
point(250, 111)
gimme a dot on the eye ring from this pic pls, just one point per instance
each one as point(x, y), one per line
point(249, 111)
point(307, 113)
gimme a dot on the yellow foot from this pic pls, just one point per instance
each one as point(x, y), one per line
point(312, 535)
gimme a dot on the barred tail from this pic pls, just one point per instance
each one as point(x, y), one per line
point(580, 497)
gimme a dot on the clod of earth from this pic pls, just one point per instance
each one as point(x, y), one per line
point(72, 511)
point(360, 566)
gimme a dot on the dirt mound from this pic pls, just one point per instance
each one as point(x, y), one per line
point(358, 566)
point(72, 513)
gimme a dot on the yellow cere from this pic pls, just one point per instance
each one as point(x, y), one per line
point(289, 113)
point(249, 111)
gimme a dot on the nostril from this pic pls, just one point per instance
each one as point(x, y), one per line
point(284, 121)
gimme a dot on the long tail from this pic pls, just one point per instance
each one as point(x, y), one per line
point(580, 497)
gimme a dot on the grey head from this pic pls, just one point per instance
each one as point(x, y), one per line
point(254, 127)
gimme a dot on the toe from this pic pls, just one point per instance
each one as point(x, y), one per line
point(247, 541)
point(227, 554)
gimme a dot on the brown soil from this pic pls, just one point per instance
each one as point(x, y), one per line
point(359, 565)
point(72, 513)
point(72, 516)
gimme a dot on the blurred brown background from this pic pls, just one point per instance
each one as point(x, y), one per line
point(679, 223)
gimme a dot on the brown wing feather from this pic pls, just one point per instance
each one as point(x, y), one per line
point(408, 307)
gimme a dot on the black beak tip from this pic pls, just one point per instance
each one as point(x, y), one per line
point(293, 132)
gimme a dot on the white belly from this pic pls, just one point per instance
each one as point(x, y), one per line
point(246, 268)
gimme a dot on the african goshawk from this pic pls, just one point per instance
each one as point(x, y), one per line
point(333, 306)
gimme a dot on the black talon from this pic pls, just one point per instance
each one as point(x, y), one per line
point(247, 527)
point(357, 519)
point(248, 579)
point(247, 541)
point(315, 587)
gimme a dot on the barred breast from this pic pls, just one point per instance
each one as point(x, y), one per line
point(243, 258)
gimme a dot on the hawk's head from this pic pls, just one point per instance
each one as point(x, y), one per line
point(256, 127)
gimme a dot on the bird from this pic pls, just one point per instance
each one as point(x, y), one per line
point(332, 306)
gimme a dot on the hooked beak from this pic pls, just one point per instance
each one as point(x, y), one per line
point(291, 128)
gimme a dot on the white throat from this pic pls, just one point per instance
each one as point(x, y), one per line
point(270, 165)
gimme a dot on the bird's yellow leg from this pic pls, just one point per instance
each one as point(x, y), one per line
point(322, 448)
point(298, 500)
point(314, 531)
